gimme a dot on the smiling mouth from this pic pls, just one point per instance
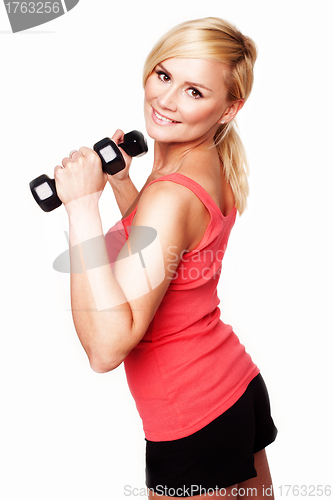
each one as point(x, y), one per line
point(162, 118)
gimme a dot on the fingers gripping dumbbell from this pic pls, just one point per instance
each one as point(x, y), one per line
point(44, 190)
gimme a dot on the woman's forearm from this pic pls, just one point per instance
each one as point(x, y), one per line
point(101, 314)
point(125, 193)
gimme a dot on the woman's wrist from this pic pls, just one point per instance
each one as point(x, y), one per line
point(116, 182)
point(84, 204)
point(84, 222)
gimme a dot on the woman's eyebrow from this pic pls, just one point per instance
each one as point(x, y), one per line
point(187, 83)
point(163, 69)
point(198, 85)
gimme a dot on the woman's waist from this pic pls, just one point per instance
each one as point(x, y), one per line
point(174, 323)
point(169, 378)
point(174, 352)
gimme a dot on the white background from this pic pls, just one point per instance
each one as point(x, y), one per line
point(67, 432)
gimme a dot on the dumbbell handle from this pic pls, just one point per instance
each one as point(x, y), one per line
point(44, 189)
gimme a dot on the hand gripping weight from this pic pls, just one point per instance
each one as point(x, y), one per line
point(44, 190)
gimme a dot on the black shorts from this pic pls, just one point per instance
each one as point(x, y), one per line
point(217, 456)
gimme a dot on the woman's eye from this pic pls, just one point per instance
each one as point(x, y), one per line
point(194, 93)
point(162, 76)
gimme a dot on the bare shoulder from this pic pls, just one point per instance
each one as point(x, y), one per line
point(174, 210)
point(164, 192)
point(165, 203)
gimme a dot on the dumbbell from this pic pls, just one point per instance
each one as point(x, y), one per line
point(43, 188)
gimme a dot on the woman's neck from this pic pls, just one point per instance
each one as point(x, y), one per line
point(168, 157)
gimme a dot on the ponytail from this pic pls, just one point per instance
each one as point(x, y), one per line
point(235, 166)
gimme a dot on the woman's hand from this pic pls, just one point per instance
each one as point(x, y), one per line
point(118, 138)
point(80, 180)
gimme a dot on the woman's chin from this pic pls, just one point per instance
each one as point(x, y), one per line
point(160, 134)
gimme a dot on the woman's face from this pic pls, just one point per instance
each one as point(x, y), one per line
point(185, 99)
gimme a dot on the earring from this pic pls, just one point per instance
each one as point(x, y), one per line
point(222, 122)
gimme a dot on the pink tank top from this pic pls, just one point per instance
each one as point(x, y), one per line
point(189, 367)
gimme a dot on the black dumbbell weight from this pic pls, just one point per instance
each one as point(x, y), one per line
point(44, 190)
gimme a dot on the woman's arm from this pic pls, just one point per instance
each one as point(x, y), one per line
point(112, 309)
point(124, 190)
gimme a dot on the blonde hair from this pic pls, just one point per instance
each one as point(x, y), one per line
point(214, 38)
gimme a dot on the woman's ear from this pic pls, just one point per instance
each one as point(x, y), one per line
point(231, 111)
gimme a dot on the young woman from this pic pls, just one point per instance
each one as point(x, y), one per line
point(203, 403)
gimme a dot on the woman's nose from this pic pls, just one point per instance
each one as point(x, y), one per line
point(167, 100)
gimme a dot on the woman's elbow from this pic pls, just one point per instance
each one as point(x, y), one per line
point(102, 365)
point(104, 357)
